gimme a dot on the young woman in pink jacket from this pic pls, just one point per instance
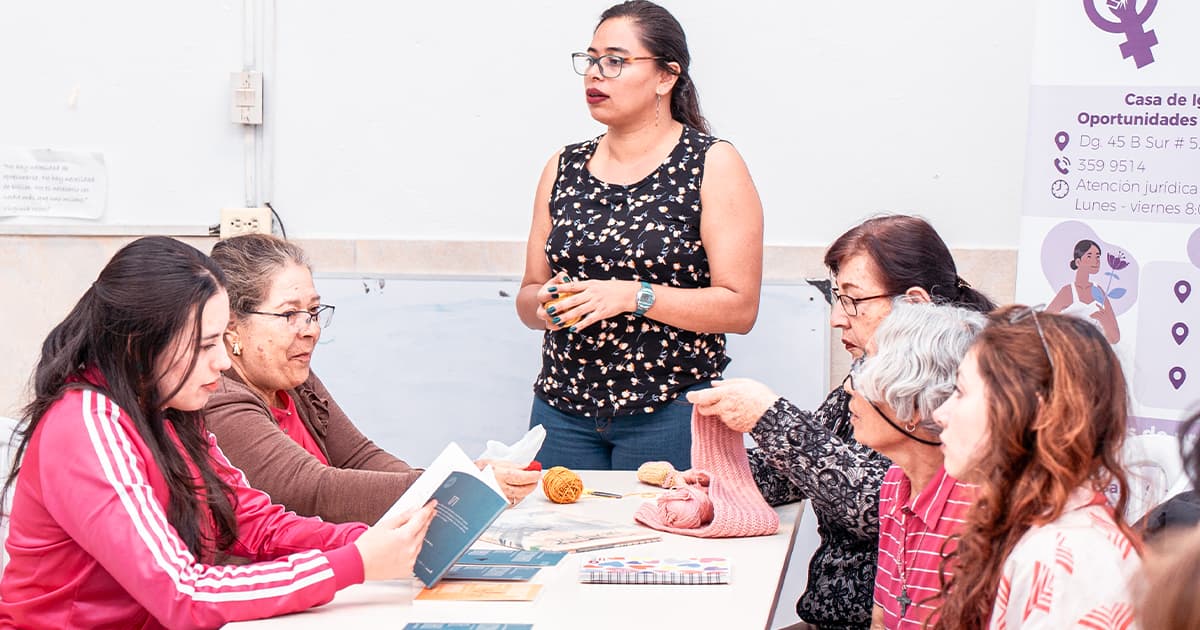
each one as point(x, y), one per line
point(123, 500)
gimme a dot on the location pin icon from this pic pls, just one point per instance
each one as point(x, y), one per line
point(1183, 289)
point(1180, 332)
point(1177, 376)
point(1061, 139)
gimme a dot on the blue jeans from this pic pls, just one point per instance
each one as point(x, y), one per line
point(620, 443)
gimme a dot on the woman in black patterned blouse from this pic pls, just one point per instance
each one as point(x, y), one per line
point(812, 454)
point(645, 248)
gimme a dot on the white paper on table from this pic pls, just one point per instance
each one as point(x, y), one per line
point(451, 459)
point(521, 452)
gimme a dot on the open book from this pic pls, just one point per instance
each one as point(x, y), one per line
point(548, 530)
point(468, 500)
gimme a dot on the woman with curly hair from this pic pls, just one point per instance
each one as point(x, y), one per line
point(1037, 420)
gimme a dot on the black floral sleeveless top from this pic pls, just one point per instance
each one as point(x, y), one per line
point(648, 231)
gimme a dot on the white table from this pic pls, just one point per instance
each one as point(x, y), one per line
point(748, 601)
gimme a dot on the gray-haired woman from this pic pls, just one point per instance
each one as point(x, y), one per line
point(908, 374)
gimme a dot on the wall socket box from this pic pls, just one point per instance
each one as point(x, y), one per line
point(235, 221)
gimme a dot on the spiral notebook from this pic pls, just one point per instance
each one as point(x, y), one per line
point(647, 570)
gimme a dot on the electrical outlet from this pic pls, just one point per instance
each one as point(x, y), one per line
point(235, 221)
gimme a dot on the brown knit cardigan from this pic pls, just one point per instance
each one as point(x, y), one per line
point(361, 481)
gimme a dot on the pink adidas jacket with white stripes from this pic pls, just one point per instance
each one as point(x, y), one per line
point(90, 545)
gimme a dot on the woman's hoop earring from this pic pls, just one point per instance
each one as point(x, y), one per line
point(910, 427)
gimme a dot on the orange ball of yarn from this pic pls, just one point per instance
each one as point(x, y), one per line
point(558, 299)
point(562, 485)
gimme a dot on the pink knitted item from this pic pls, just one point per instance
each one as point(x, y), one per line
point(686, 506)
point(738, 506)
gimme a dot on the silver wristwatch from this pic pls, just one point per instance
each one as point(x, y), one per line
point(645, 299)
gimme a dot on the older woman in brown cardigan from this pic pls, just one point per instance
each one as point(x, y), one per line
point(273, 417)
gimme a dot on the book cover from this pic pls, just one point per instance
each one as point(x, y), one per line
point(546, 530)
point(438, 625)
point(468, 499)
point(481, 592)
point(512, 557)
point(644, 570)
point(483, 572)
point(465, 508)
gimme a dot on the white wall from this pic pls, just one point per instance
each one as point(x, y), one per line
point(841, 109)
point(432, 121)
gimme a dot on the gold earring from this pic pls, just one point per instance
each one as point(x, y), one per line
point(237, 349)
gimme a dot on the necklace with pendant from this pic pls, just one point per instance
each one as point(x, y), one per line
point(903, 599)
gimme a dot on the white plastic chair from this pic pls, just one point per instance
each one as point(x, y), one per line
point(1155, 472)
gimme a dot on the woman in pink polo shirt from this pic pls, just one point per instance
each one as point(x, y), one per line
point(908, 373)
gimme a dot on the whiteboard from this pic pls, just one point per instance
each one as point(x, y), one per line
point(419, 362)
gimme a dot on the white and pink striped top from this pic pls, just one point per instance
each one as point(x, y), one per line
point(1074, 572)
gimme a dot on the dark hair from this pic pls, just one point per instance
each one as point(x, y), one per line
point(663, 36)
point(908, 253)
point(250, 262)
point(1056, 412)
point(1189, 447)
point(1082, 248)
point(152, 290)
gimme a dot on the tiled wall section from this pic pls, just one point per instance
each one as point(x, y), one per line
point(42, 276)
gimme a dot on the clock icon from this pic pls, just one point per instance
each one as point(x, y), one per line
point(1059, 188)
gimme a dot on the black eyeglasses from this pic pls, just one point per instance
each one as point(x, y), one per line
point(850, 304)
point(298, 320)
point(610, 65)
point(905, 431)
point(1019, 314)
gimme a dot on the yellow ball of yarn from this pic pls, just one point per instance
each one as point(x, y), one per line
point(562, 485)
point(660, 474)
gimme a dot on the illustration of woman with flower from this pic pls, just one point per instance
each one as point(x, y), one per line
point(1083, 299)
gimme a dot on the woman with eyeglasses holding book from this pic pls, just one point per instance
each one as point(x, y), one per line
point(123, 502)
point(812, 455)
point(645, 249)
point(274, 418)
point(1037, 420)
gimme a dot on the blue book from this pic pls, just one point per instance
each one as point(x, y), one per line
point(512, 557)
point(482, 572)
point(466, 506)
point(466, 627)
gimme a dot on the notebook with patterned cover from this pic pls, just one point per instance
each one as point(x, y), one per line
point(647, 570)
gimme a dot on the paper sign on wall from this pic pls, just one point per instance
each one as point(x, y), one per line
point(50, 183)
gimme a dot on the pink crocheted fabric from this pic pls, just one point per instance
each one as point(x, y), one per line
point(738, 508)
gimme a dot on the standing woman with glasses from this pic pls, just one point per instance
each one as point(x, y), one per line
point(1037, 420)
point(273, 417)
point(645, 249)
point(812, 455)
